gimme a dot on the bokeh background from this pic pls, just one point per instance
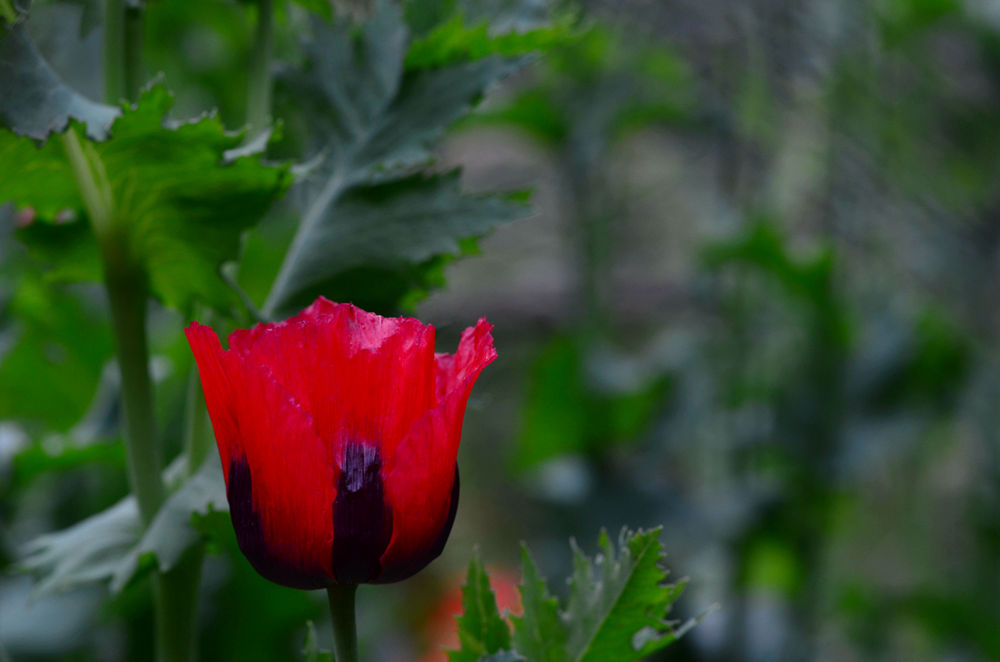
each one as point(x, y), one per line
point(755, 304)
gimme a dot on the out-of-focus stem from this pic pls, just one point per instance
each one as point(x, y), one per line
point(345, 631)
point(259, 93)
point(176, 608)
point(176, 591)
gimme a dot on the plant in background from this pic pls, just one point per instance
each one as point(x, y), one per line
point(169, 216)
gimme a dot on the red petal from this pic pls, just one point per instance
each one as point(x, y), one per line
point(459, 370)
point(219, 392)
point(418, 476)
point(292, 469)
point(364, 378)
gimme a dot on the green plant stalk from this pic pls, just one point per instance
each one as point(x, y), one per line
point(259, 93)
point(176, 591)
point(114, 51)
point(176, 607)
point(127, 292)
point(345, 631)
point(126, 287)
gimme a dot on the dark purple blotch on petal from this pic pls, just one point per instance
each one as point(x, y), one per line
point(250, 534)
point(362, 520)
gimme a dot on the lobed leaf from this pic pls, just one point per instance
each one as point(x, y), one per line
point(112, 546)
point(539, 633)
point(619, 601)
point(380, 122)
point(180, 194)
point(616, 610)
point(172, 532)
point(87, 552)
point(481, 630)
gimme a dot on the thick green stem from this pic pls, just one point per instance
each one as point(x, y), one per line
point(126, 286)
point(127, 293)
point(345, 631)
point(259, 93)
point(176, 592)
point(176, 608)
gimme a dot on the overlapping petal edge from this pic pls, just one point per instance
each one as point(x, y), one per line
point(338, 432)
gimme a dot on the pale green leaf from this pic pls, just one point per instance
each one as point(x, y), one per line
point(34, 102)
point(172, 532)
point(87, 552)
point(111, 546)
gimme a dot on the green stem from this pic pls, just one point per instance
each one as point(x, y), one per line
point(176, 592)
point(176, 608)
point(259, 93)
point(114, 51)
point(134, 32)
point(345, 631)
point(127, 293)
point(126, 286)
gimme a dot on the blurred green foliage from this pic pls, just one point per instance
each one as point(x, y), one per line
point(766, 316)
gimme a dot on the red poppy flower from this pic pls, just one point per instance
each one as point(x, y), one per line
point(338, 431)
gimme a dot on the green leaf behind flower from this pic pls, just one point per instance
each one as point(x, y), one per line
point(179, 194)
point(381, 123)
point(111, 546)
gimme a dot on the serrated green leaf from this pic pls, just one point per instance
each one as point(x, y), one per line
point(618, 604)
point(178, 197)
point(112, 546)
point(311, 647)
point(393, 234)
point(481, 631)
point(172, 532)
point(87, 552)
point(380, 122)
point(35, 102)
point(539, 633)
